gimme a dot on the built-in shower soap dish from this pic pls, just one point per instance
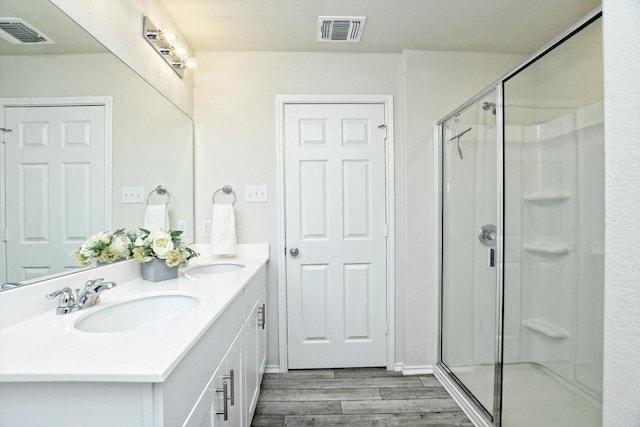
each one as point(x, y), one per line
point(545, 328)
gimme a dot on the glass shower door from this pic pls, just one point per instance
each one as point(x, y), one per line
point(469, 218)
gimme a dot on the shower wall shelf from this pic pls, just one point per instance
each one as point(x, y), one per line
point(547, 197)
point(547, 248)
point(545, 328)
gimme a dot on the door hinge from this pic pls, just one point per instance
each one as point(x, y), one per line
point(4, 234)
point(383, 126)
point(386, 328)
point(386, 230)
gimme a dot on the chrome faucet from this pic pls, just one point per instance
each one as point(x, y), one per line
point(75, 299)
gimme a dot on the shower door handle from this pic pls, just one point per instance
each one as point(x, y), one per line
point(487, 235)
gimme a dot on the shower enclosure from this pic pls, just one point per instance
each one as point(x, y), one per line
point(522, 236)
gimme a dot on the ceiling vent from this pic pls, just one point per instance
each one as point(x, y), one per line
point(17, 31)
point(340, 28)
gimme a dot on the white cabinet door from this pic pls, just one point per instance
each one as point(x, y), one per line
point(255, 353)
point(262, 338)
point(230, 372)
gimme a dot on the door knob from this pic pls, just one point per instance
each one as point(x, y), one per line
point(294, 251)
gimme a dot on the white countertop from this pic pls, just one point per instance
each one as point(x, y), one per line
point(47, 347)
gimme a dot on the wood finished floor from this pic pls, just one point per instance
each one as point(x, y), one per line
point(355, 397)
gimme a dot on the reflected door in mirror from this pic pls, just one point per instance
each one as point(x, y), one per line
point(55, 181)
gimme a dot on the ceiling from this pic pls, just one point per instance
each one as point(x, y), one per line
point(501, 26)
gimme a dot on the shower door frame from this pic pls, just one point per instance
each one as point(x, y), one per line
point(469, 404)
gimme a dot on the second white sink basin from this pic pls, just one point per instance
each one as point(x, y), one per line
point(136, 313)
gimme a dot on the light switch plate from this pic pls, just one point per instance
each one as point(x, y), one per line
point(133, 195)
point(255, 193)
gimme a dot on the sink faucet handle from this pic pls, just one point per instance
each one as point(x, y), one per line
point(66, 291)
point(93, 282)
point(68, 300)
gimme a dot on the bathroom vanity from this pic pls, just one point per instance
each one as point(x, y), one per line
point(184, 352)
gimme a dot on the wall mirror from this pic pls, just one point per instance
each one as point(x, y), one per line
point(63, 97)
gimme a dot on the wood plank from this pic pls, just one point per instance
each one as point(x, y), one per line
point(430, 381)
point(441, 419)
point(298, 408)
point(398, 406)
point(303, 373)
point(293, 395)
point(365, 373)
point(267, 421)
point(303, 383)
point(414, 393)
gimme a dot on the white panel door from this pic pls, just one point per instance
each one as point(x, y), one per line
point(55, 186)
point(335, 220)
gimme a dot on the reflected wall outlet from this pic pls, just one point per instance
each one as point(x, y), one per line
point(183, 225)
point(255, 193)
point(206, 228)
point(133, 195)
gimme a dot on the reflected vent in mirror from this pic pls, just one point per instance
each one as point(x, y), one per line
point(17, 31)
point(340, 28)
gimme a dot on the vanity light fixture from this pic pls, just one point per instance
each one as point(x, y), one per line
point(165, 42)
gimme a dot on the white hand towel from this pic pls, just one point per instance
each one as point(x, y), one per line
point(223, 230)
point(156, 218)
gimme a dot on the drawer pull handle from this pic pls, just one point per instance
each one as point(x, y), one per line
point(231, 378)
point(262, 321)
point(225, 406)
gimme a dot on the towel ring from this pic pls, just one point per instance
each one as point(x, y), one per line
point(226, 190)
point(161, 190)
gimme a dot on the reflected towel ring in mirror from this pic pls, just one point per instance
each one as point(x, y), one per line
point(161, 190)
point(226, 190)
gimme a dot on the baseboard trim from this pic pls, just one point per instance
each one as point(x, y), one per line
point(272, 369)
point(398, 367)
point(413, 369)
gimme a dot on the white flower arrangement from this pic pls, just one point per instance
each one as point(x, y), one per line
point(106, 247)
point(165, 245)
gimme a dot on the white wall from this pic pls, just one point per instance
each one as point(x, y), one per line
point(435, 84)
point(621, 400)
point(236, 144)
point(235, 110)
point(118, 26)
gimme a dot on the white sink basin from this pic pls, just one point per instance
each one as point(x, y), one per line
point(136, 313)
point(214, 268)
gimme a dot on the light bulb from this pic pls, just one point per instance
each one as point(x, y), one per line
point(169, 35)
point(180, 51)
point(191, 62)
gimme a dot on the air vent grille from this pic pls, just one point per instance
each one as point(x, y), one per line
point(340, 28)
point(17, 31)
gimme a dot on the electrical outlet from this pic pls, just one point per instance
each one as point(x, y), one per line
point(206, 228)
point(132, 195)
point(255, 193)
point(183, 225)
